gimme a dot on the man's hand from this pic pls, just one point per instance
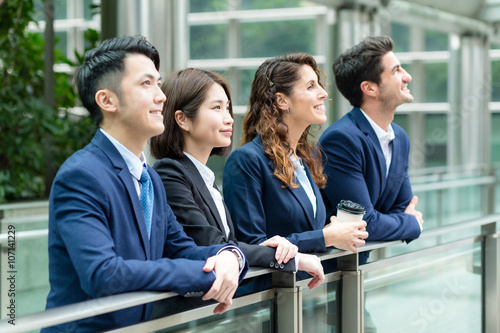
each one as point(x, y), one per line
point(311, 264)
point(412, 211)
point(345, 235)
point(226, 268)
point(284, 249)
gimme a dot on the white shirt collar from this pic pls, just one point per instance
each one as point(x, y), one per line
point(382, 135)
point(134, 163)
point(205, 172)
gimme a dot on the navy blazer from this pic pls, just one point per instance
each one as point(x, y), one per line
point(261, 206)
point(98, 244)
point(356, 170)
point(196, 211)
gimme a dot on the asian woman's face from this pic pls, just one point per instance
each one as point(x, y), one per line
point(213, 125)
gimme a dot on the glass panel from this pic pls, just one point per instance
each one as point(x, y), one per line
point(436, 82)
point(245, 84)
point(426, 294)
point(320, 311)
point(197, 6)
point(87, 9)
point(252, 318)
point(61, 40)
point(436, 41)
point(31, 267)
point(61, 9)
point(266, 4)
point(436, 134)
point(39, 13)
point(401, 37)
point(208, 41)
point(495, 81)
point(495, 137)
point(268, 39)
point(403, 121)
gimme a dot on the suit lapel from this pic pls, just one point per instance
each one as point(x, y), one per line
point(125, 177)
point(367, 129)
point(200, 185)
point(301, 196)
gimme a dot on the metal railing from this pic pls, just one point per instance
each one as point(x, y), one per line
point(286, 292)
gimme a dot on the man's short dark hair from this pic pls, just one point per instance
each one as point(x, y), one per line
point(362, 62)
point(104, 67)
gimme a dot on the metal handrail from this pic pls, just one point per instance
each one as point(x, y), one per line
point(117, 302)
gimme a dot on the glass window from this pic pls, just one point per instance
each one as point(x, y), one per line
point(88, 9)
point(61, 40)
point(266, 4)
point(208, 41)
point(245, 84)
point(198, 6)
point(268, 39)
point(61, 9)
point(495, 81)
point(401, 37)
point(495, 138)
point(436, 82)
point(436, 134)
point(403, 121)
point(436, 41)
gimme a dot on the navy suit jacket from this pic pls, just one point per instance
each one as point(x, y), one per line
point(196, 211)
point(356, 170)
point(98, 244)
point(262, 207)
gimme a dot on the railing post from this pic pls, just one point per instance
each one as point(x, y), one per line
point(491, 279)
point(288, 310)
point(351, 295)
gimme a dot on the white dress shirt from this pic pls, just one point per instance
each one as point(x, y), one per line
point(385, 138)
point(301, 175)
point(134, 163)
point(209, 179)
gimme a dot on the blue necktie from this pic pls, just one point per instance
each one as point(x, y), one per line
point(146, 198)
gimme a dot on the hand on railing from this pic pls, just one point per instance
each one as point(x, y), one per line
point(226, 268)
point(345, 235)
point(284, 249)
point(311, 264)
point(411, 209)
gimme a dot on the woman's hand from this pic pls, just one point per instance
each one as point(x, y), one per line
point(284, 249)
point(345, 235)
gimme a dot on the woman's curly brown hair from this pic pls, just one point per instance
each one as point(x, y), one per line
point(265, 118)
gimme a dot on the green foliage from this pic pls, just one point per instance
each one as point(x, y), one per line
point(29, 129)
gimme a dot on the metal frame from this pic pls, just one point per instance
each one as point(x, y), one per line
point(287, 292)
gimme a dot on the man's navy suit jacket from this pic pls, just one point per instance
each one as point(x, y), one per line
point(356, 170)
point(98, 244)
point(261, 206)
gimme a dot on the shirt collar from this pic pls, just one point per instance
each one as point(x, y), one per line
point(205, 172)
point(134, 163)
point(382, 135)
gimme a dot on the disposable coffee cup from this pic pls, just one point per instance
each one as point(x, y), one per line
point(348, 211)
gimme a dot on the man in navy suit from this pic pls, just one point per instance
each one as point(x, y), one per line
point(100, 241)
point(365, 153)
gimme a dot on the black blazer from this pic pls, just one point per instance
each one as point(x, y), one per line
point(192, 203)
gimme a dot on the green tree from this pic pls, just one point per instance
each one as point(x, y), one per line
point(26, 123)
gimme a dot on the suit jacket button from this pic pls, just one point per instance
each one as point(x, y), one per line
point(282, 266)
point(271, 264)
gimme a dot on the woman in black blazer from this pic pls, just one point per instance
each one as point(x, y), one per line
point(198, 123)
